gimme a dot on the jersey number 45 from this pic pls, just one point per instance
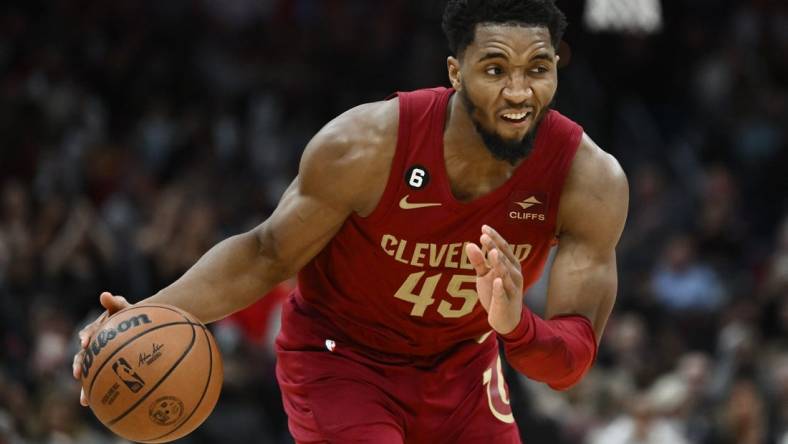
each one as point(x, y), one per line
point(424, 298)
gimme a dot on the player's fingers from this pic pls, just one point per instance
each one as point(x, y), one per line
point(484, 248)
point(499, 262)
point(497, 240)
point(487, 243)
point(513, 270)
point(76, 366)
point(508, 269)
point(490, 244)
point(82, 398)
point(112, 303)
point(511, 288)
point(517, 275)
point(106, 299)
point(87, 332)
point(83, 338)
point(476, 257)
point(510, 273)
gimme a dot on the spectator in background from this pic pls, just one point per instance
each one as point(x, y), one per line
point(16, 411)
point(673, 409)
point(778, 402)
point(61, 424)
point(80, 255)
point(720, 228)
point(774, 289)
point(695, 370)
point(642, 423)
point(742, 418)
point(683, 283)
point(18, 258)
point(630, 348)
point(654, 214)
point(17, 251)
point(690, 295)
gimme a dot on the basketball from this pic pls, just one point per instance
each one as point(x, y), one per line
point(152, 373)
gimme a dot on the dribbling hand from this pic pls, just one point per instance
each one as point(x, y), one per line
point(499, 280)
point(113, 304)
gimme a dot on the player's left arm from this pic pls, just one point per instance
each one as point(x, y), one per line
point(561, 348)
point(584, 279)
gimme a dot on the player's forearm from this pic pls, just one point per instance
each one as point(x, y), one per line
point(230, 276)
point(558, 351)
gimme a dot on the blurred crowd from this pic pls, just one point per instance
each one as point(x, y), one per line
point(136, 134)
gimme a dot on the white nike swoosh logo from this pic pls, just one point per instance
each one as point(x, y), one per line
point(405, 205)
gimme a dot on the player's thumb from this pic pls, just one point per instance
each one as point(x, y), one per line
point(113, 303)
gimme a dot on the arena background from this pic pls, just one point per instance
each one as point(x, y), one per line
point(135, 134)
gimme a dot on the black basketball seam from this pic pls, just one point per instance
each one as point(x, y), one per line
point(160, 381)
point(204, 391)
point(120, 347)
point(188, 321)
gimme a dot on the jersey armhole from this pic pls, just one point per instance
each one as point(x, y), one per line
point(396, 172)
point(572, 146)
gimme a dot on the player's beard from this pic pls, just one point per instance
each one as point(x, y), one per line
point(507, 150)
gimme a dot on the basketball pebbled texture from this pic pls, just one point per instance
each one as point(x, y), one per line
point(153, 373)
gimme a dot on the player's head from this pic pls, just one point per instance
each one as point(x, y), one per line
point(503, 66)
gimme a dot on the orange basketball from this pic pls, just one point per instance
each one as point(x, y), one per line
point(152, 373)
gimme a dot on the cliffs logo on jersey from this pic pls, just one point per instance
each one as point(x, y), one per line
point(528, 207)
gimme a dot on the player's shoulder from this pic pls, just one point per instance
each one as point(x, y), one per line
point(594, 167)
point(350, 157)
point(358, 135)
point(596, 187)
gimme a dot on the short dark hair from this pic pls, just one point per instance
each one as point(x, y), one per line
point(461, 17)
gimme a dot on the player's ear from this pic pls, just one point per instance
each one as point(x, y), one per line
point(453, 66)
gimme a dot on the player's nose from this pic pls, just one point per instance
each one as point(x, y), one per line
point(518, 90)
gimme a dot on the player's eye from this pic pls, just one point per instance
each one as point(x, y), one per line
point(494, 71)
point(539, 70)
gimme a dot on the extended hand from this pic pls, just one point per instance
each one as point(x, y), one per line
point(499, 280)
point(113, 304)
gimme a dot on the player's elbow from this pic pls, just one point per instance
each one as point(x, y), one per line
point(566, 384)
point(269, 258)
point(575, 366)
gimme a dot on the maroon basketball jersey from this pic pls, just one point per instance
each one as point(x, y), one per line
point(398, 281)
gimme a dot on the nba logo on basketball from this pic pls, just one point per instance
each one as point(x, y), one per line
point(123, 369)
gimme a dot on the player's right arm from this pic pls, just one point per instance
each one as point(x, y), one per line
point(343, 170)
point(334, 181)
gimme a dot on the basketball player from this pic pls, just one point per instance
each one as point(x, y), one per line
point(415, 225)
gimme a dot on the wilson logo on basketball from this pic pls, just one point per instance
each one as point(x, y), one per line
point(107, 335)
point(531, 209)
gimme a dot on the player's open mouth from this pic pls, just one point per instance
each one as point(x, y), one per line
point(517, 119)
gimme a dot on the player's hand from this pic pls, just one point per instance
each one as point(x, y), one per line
point(499, 280)
point(113, 304)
